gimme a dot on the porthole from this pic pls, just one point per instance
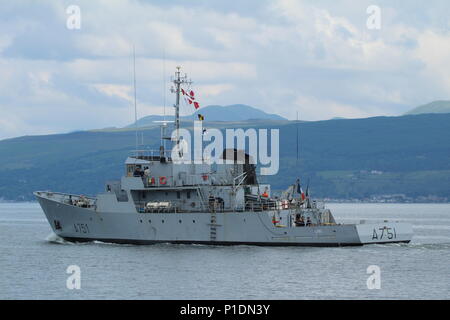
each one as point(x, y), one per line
point(179, 221)
point(149, 221)
point(162, 221)
point(193, 221)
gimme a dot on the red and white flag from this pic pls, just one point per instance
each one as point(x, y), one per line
point(190, 98)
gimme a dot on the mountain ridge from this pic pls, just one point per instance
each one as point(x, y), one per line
point(409, 155)
point(234, 112)
point(438, 106)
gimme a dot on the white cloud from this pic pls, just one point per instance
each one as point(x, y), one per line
point(111, 90)
point(213, 90)
point(434, 51)
point(280, 56)
point(5, 41)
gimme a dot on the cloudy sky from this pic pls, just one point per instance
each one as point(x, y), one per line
point(315, 57)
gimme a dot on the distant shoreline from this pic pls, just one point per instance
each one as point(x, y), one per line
point(334, 201)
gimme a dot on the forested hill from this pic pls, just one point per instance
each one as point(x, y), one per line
point(347, 158)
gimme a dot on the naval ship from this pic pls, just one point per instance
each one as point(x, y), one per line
point(159, 200)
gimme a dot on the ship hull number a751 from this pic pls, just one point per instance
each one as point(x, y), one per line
point(384, 233)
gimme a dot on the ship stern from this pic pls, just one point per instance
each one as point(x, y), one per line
point(386, 232)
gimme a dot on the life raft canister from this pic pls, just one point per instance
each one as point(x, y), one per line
point(162, 180)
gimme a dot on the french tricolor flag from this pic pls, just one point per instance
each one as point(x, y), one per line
point(300, 191)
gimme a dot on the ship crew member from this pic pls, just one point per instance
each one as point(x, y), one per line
point(220, 203)
point(308, 221)
point(265, 194)
point(212, 202)
point(299, 222)
point(138, 172)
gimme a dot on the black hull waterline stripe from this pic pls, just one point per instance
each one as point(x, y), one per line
point(225, 243)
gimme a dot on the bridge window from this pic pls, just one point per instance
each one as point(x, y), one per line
point(130, 170)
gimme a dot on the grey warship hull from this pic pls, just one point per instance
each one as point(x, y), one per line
point(79, 224)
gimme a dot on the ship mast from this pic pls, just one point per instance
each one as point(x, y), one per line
point(178, 81)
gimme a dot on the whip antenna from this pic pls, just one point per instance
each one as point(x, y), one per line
point(297, 140)
point(135, 104)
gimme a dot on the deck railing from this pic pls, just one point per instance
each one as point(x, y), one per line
point(189, 180)
point(150, 154)
point(70, 199)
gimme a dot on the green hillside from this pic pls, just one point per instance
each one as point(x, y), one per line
point(344, 158)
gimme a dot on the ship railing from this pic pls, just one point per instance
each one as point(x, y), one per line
point(318, 204)
point(188, 180)
point(150, 154)
point(261, 206)
point(70, 199)
point(208, 179)
point(174, 206)
point(179, 206)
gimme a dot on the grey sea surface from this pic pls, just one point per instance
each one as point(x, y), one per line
point(33, 263)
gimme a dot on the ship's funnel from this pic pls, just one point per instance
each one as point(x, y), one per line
point(238, 156)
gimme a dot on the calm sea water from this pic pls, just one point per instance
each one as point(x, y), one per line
point(33, 263)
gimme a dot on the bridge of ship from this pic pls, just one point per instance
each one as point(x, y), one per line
point(163, 185)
